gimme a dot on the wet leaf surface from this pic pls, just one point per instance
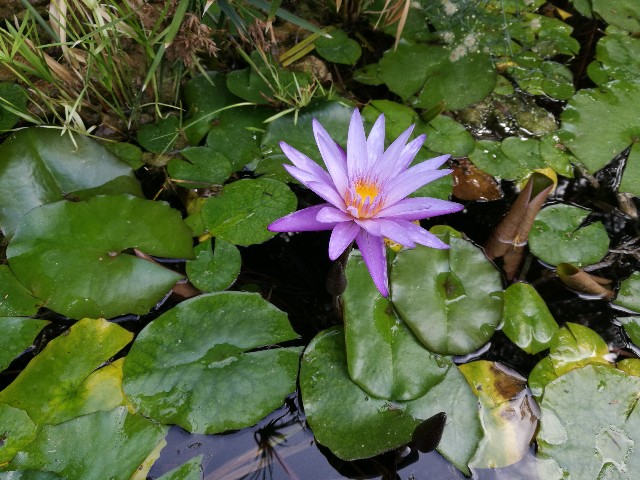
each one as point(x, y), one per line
point(354, 424)
point(205, 96)
point(602, 444)
point(241, 214)
point(573, 346)
point(527, 320)
point(214, 268)
point(203, 365)
point(558, 236)
point(71, 255)
point(56, 387)
point(201, 165)
point(598, 124)
point(190, 470)
point(96, 446)
point(381, 350)
point(629, 293)
point(451, 299)
point(339, 48)
point(39, 166)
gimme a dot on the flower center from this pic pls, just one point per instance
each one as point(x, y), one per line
point(363, 198)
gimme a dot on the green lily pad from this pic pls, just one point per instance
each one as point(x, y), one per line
point(18, 431)
point(500, 391)
point(15, 300)
point(405, 68)
point(573, 346)
point(245, 208)
point(398, 117)
point(451, 299)
point(632, 327)
point(617, 56)
point(542, 77)
point(127, 152)
point(430, 70)
point(555, 156)
point(28, 475)
point(159, 137)
point(214, 268)
point(513, 159)
point(339, 48)
point(447, 80)
point(629, 293)
point(12, 98)
point(17, 335)
point(489, 157)
point(624, 14)
point(202, 365)
point(190, 470)
point(381, 350)
point(96, 446)
point(38, 166)
point(70, 255)
point(598, 124)
point(348, 421)
point(55, 387)
point(269, 82)
point(602, 444)
point(203, 167)
point(334, 117)
point(630, 182)
point(557, 236)
point(527, 320)
point(237, 134)
point(205, 97)
point(463, 431)
point(445, 135)
point(249, 86)
point(368, 75)
point(353, 424)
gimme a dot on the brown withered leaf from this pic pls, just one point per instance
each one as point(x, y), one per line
point(511, 235)
point(583, 282)
point(471, 183)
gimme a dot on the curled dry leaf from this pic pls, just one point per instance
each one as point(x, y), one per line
point(583, 282)
point(510, 236)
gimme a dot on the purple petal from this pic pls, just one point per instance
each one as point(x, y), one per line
point(328, 192)
point(300, 175)
point(409, 181)
point(333, 215)
point(374, 256)
point(382, 227)
point(419, 208)
point(301, 221)
point(375, 140)
point(408, 154)
point(421, 236)
point(341, 237)
point(301, 161)
point(386, 163)
point(357, 157)
point(332, 155)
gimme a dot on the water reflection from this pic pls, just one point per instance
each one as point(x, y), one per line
point(282, 447)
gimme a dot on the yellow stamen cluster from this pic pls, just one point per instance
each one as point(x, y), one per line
point(362, 199)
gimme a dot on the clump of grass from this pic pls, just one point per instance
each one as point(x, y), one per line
point(102, 62)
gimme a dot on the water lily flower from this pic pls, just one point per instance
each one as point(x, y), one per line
point(366, 191)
